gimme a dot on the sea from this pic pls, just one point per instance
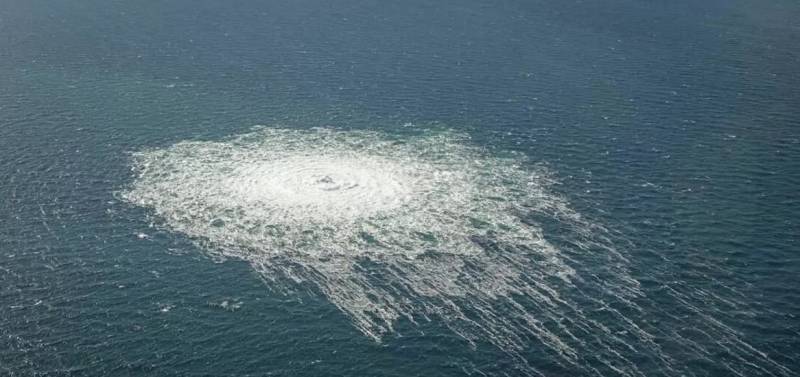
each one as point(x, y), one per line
point(400, 188)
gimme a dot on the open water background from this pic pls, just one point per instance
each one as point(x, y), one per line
point(675, 123)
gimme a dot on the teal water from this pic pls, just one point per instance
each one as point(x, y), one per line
point(514, 188)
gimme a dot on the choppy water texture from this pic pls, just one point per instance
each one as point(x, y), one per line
point(448, 188)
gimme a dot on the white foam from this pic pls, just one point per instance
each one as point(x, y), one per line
point(415, 228)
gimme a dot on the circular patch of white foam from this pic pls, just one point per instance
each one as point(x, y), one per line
point(417, 227)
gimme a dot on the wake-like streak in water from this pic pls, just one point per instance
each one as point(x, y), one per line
point(416, 228)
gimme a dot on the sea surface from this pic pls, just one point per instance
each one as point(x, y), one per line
point(400, 188)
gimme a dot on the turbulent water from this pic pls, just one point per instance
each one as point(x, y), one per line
point(443, 221)
point(420, 228)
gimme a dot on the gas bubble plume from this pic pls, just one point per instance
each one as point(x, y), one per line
point(415, 228)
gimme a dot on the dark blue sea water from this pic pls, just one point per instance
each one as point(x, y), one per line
point(670, 129)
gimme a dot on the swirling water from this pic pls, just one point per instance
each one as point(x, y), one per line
point(597, 188)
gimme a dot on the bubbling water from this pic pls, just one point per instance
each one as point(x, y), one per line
point(325, 192)
point(416, 228)
point(323, 187)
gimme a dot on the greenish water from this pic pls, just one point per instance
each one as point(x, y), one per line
point(442, 188)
